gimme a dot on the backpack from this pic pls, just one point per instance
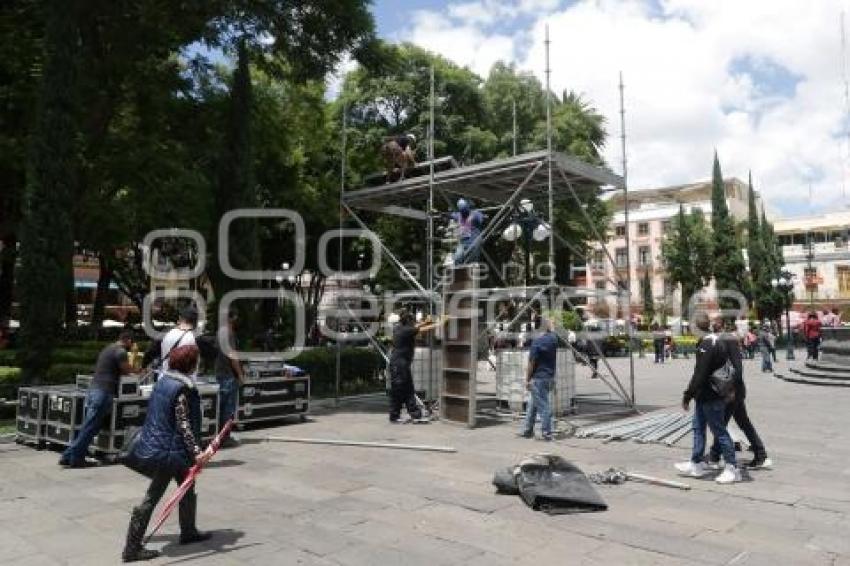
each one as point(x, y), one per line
point(722, 380)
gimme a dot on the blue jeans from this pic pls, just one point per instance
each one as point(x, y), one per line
point(467, 251)
point(540, 389)
point(712, 414)
point(766, 362)
point(98, 406)
point(228, 387)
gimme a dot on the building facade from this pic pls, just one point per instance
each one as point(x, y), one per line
point(651, 216)
point(817, 252)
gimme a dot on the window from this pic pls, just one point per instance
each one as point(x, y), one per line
point(643, 229)
point(643, 286)
point(668, 288)
point(600, 285)
point(620, 231)
point(621, 257)
point(644, 256)
point(665, 226)
point(843, 273)
point(598, 259)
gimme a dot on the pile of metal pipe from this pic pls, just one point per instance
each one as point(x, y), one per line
point(654, 428)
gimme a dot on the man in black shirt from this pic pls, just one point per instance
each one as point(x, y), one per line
point(401, 380)
point(111, 364)
point(710, 408)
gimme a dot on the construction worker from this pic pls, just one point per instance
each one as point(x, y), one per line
point(402, 392)
point(539, 380)
point(469, 224)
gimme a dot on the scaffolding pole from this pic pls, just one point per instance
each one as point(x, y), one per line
point(629, 331)
point(549, 163)
point(430, 267)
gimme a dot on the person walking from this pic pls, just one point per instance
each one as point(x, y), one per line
point(402, 391)
point(812, 334)
point(539, 380)
point(737, 409)
point(181, 335)
point(168, 443)
point(764, 349)
point(112, 363)
point(228, 374)
point(709, 408)
point(750, 341)
point(658, 341)
point(469, 223)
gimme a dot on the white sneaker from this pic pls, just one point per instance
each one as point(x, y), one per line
point(730, 474)
point(692, 469)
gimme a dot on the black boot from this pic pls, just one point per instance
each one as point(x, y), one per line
point(134, 551)
point(188, 531)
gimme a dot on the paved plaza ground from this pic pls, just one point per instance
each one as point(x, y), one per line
point(272, 503)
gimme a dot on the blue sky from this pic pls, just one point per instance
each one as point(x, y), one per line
point(760, 81)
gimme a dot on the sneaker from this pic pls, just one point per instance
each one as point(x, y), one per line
point(546, 438)
point(730, 474)
point(527, 434)
point(713, 464)
point(692, 469)
point(759, 462)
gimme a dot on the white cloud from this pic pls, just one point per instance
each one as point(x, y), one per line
point(682, 98)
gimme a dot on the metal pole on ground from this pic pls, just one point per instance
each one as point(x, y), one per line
point(549, 163)
point(339, 265)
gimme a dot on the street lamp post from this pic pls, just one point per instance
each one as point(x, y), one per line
point(528, 224)
point(785, 284)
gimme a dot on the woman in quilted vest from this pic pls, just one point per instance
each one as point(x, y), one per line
point(169, 444)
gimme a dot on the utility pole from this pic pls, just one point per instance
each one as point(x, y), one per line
point(339, 239)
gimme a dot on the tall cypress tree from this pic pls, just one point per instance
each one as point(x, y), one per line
point(47, 244)
point(648, 300)
point(772, 302)
point(728, 259)
point(759, 275)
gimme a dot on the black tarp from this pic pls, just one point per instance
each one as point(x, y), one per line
point(549, 483)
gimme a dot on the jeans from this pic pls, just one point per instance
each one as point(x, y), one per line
point(98, 406)
point(712, 414)
point(228, 388)
point(540, 389)
point(813, 344)
point(766, 362)
point(467, 251)
point(659, 351)
point(737, 409)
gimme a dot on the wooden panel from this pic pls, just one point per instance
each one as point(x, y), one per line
point(455, 383)
point(456, 357)
point(455, 410)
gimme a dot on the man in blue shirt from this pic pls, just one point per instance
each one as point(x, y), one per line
point(469, 224)
point(539, 380)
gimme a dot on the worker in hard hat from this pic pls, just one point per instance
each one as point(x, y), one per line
point(469, 224)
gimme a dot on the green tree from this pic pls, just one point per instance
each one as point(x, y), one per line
point(728, 261)
point(507, 89)
point(648, 300)
point(46, 232)
point(687, 254)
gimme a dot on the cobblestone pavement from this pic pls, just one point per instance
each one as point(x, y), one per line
point(273, 503)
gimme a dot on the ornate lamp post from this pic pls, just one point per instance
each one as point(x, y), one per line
point(785, 285)
point(528, 224)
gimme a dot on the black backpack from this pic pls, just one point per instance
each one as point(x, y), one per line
point(722, 380)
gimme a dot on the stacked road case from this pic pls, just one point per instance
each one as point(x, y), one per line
point(271, 393)
point(31, 418)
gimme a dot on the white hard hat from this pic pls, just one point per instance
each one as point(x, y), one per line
point(411, 137)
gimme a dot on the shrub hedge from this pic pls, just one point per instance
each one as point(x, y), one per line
point(360, 370)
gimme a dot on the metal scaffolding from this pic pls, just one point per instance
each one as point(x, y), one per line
point(545, 177)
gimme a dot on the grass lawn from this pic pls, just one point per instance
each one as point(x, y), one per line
point(7, 426)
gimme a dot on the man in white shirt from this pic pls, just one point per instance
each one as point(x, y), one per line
point(181, 335)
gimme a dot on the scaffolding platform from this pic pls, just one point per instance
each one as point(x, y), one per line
point(489, 183)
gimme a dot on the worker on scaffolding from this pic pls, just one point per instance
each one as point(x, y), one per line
point(402, 391)
point(469, 223)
